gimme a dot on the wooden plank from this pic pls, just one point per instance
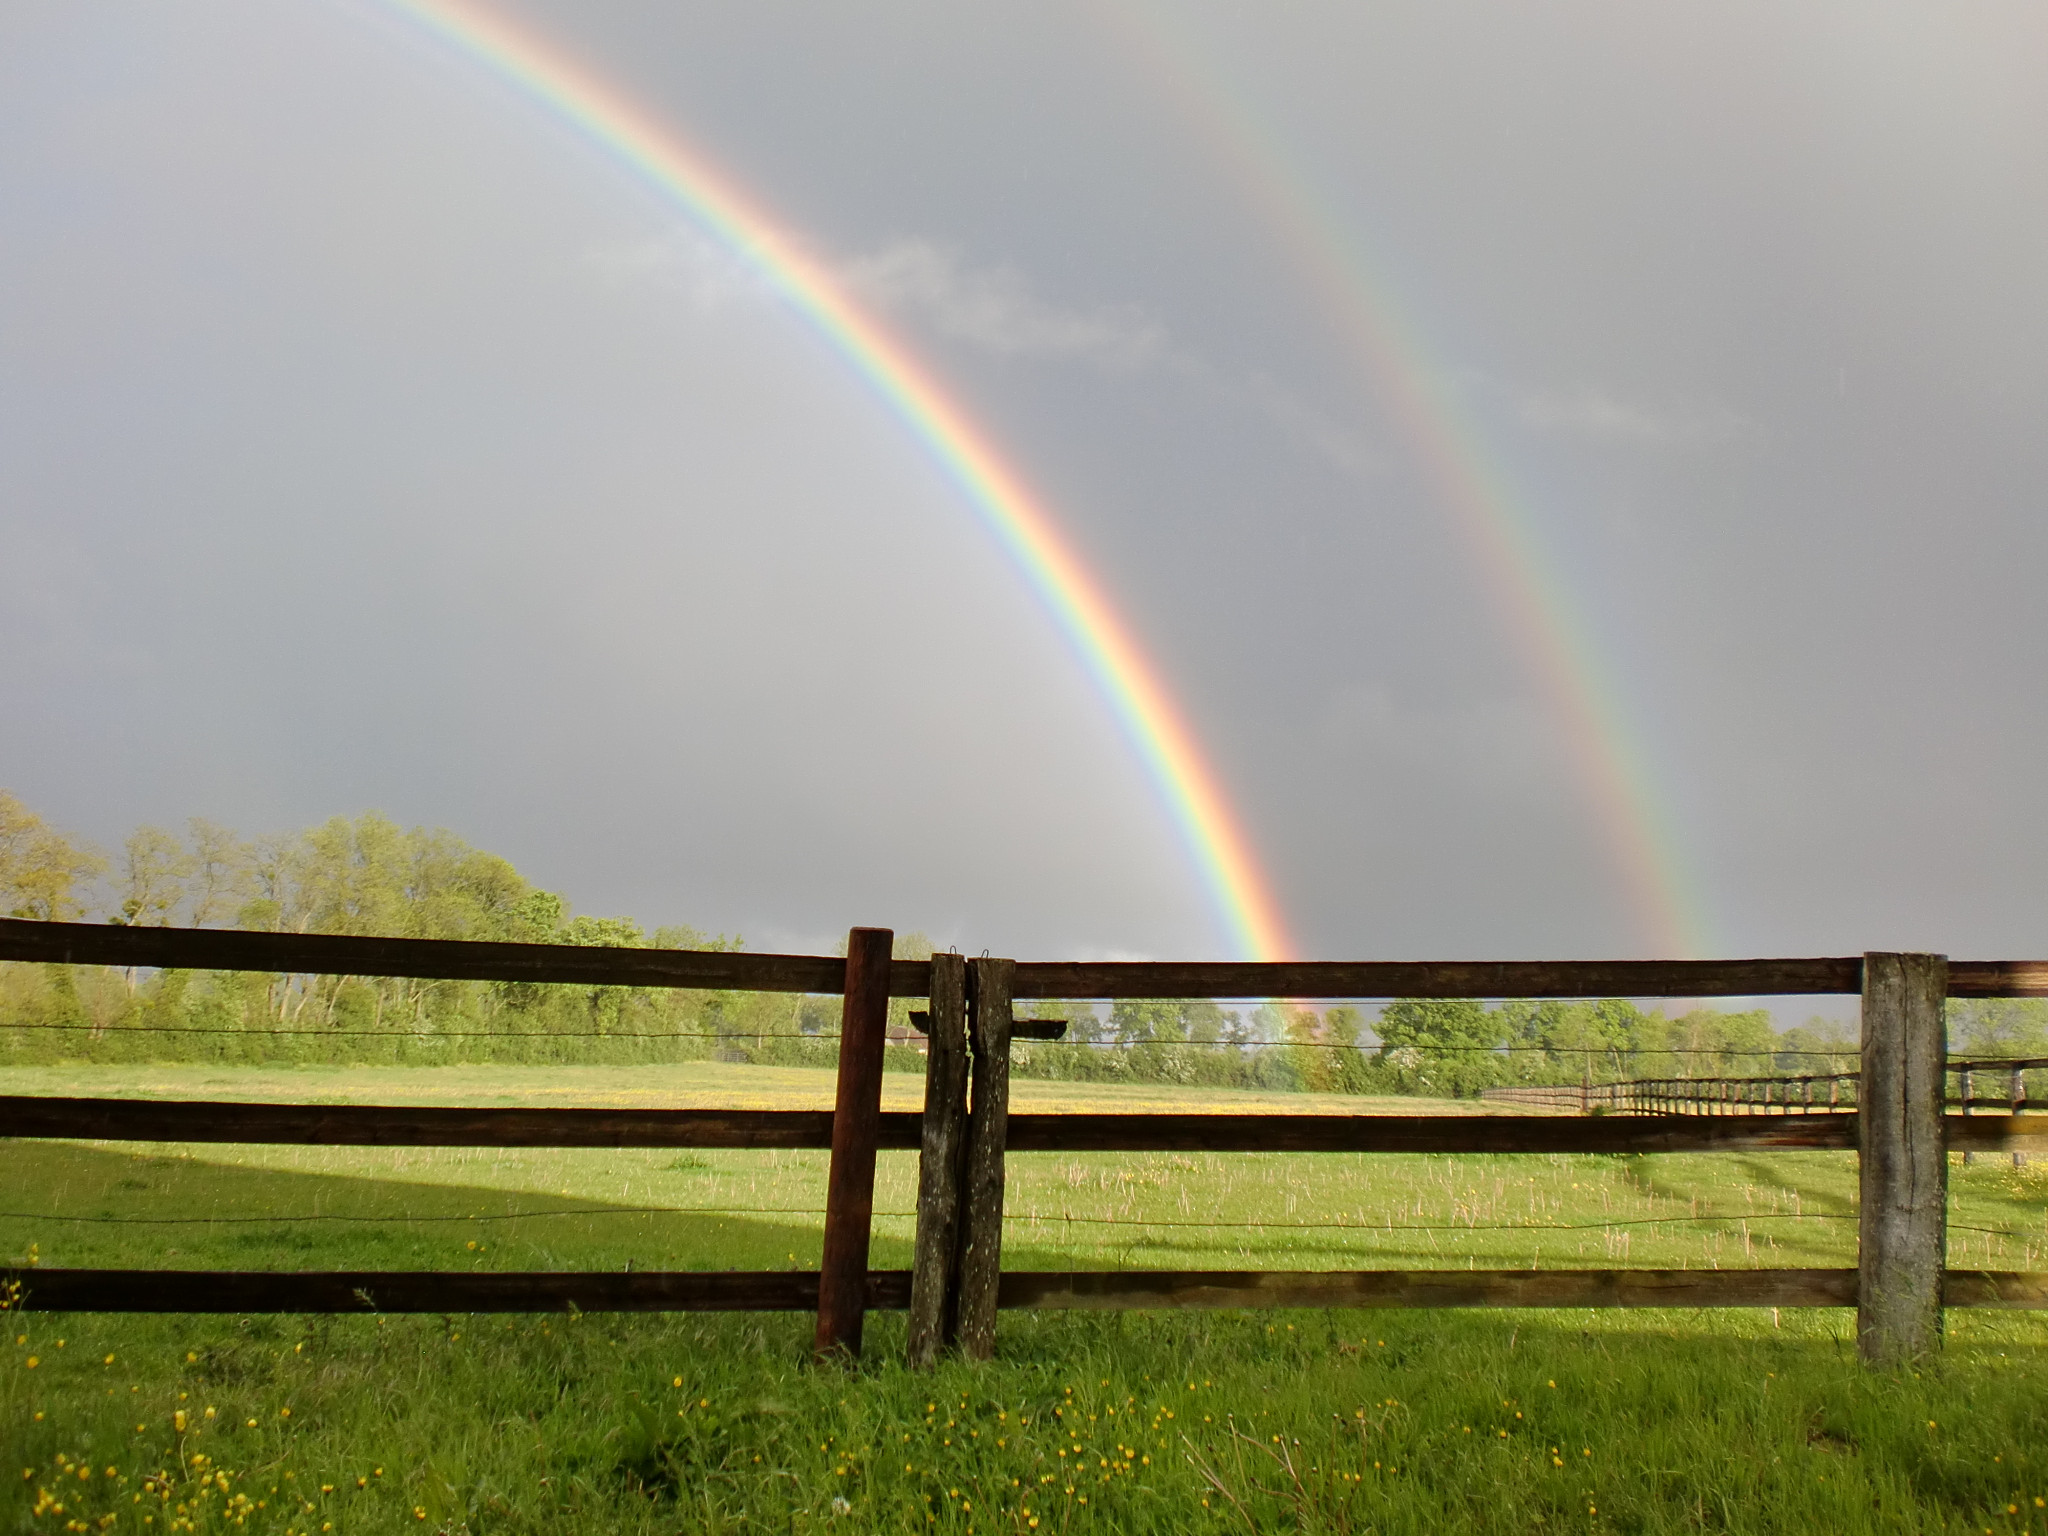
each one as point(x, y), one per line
point(1428, 1133)
point(2013, 1290)
point(173, 1290)
point(1038, 1029)
point(406, 1125)
point(856, 1131)
point(358, 1125)
point(1902, 1155)
point(319, 954)
point(981, 1217)
point(228, 949)
point(1997, 1133)
point(442, 1291)
point(1456, 978)
point(1123, 1289)
point(1998, 978)
point(941, 1166)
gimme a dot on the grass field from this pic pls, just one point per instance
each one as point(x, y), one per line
point(1384, 1421)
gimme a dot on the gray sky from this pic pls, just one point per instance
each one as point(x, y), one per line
point(368, 439)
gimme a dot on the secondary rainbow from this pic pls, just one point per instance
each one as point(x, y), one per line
point(1472, 484)
point(1104, 644)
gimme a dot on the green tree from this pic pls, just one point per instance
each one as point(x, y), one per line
point(1569, 1041)
point(43, 874)
point(1443, 1045)
point(154, 868)
point(220, 879)
point(1824, 1045)
point(1711, 1043)
point(1998, 1026)
point(1138, 1021)
point(1349, 1069)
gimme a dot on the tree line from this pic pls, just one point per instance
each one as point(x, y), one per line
point(366, 875)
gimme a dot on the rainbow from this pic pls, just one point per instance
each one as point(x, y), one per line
point(1492, 517)
point(1026, 531)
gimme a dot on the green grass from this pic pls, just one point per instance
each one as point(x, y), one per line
point(1385, 1421)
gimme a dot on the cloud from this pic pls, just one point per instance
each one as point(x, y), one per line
point(1594, 413)
point(994, 308)
point(1352, 453)
point(709, 274)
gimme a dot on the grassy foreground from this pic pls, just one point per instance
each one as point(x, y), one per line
point(1345, 1422)
point(1319, 1421)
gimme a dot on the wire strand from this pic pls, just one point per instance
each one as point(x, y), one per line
point(113, 1031)
point(1042, 1220)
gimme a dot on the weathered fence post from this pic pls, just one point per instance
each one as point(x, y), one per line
point(2017, 1101)
point(934, 1272)
point(988, 1124)
point(856, 1127)
point(1902, 1156)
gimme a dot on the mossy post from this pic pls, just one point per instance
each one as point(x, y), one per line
point(989, 986)
point(935, 1269)
point(856, 1128)
point(1902, 1156)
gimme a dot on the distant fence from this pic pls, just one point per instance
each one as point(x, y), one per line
point(965, 1132)
point(1805, 1093)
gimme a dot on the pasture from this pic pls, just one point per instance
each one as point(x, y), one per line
point(1339, 1421)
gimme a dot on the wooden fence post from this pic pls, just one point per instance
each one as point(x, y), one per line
point(934, 1273)
point(1902, 1158)
point(988, 1125)
point(2017, 1101)
point(856, 1127)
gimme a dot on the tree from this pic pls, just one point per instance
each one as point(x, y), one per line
point(1998, 1026)
point(1348, 1071)
point(154, 867)
point(1448, 1045)
point(1578, 1040)
point(1717, 1044)
point(220, 880)
point(1144, 1020)
point(41, 870)
point(538, 916)
point(1823, 1045)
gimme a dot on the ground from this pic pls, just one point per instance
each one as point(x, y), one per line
point(1341, 1421)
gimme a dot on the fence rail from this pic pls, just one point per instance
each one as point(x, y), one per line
point(222, 949)
point(965, 1132)
point(383, 1125)
point(441, 1291)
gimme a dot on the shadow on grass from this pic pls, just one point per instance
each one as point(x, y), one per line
point(137, 1210)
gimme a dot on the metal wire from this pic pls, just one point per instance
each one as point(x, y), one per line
point(1100, 1221)
point(117, 1030)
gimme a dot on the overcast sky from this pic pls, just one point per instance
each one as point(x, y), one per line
point(368, 439)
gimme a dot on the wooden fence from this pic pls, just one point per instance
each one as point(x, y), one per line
point(1798, 1093)
point(965, 1131)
